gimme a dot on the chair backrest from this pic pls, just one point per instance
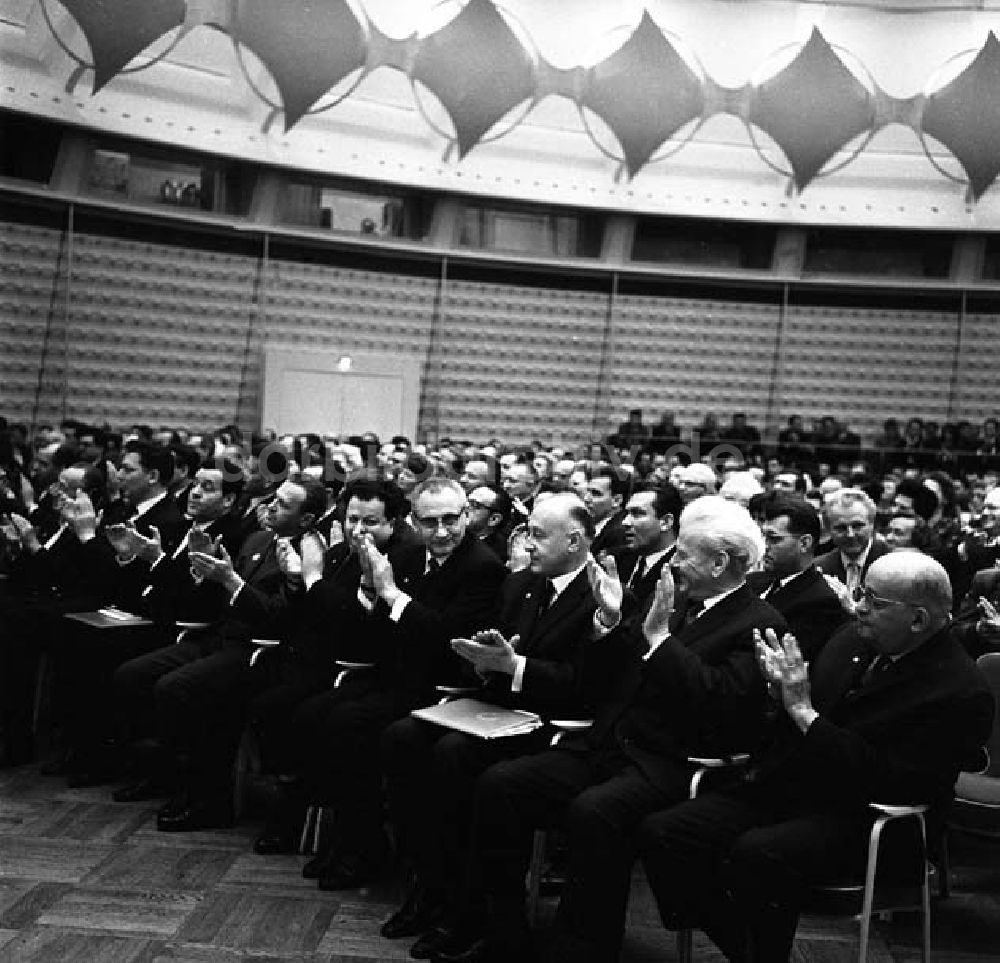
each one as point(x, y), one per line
point(990, 666)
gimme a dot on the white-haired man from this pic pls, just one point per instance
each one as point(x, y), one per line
point(678, 684)
point(695, 481)
point(736, 863)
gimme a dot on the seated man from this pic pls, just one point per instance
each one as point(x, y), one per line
point(737, 863)
point(790, 581)
point(335, 623)
point(200, 685)
point(850, 518)
point(680, 684)
point(490, 511)
point(652, 517)
point(546, 611)
point(441, 588)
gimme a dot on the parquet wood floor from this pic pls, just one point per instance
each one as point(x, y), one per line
point(85, 879)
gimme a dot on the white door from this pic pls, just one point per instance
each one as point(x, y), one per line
point(340, 393)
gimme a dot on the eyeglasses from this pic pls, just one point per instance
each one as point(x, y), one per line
point(431, 523)
point(879, 601)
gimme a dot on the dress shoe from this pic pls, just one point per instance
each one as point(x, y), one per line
point(140, 791)
point(274, 844)
point(488, 949)
point(416, 916)
point(175, 804)
point(438, 939)
point(198, 815)
point(350, 871)
point(319, 865)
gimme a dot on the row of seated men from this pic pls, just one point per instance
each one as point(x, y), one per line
point(689, 637)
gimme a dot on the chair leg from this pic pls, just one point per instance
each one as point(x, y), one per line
point(308, 830)
point(685, 946)
point(944, 868)
point(535, 875)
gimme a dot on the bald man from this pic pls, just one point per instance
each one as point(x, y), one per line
point(736, 863)
point(546, 614)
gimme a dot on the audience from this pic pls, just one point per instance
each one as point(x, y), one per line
point(608, 583)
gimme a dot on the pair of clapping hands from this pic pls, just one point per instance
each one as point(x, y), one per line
point(609, 593)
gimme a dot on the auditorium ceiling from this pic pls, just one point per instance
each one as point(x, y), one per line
point(878, 112)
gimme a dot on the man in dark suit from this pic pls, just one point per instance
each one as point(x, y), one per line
point(650, 524)
point(199, 686)
point(490, 510)
point(334, 626)
point(737, 863)
point(429, 593)
point(977, 623)
point(850, 519)
point(678, 685)
point(790, 581)
point(607, 490)
point(546, 614)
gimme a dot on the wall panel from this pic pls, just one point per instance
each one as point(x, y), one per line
point(863, 364)
point(692, 357)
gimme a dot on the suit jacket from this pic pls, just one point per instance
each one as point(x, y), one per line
point(832, 564)
point(332, 623)
point(611, 537)
point(900, 736)
point(456, 601)
point(171, 595)
point(700, 693)
point(636, 596)
point(809, 606)
point(550, 641)
point(123, 584)
point(985, 583)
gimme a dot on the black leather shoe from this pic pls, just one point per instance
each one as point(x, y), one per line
point(319, 865)
point(416, 916)
point(175, 804)
point(199, 815)
point(486, 949)
point(349, 871)
point(141, 791)
point(274, 844)
point(438, 939)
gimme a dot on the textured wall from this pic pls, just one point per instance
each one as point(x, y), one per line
point(170, 330)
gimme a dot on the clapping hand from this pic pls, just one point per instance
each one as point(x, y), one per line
point(382, 577)
point(128, 542)
point(488, 652)
point(313, 558)
point(989, 625)
point(79, 513)
point(215, 568)
point(606, 587)
point(289, 561)
point(24, 533)
point(336, 533)
point(657, 623)
point(782, 665)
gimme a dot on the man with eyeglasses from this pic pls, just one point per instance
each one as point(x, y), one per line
point(850, 518)
point(528, 661)
point(490, 511)
point(737, 863)
point(443, 587)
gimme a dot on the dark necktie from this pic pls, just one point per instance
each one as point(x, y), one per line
point(878, 665)
point(545, 595)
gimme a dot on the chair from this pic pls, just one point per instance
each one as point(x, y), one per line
point(881, 899)
point(976, 808)
point(562, 726)
point(312, 825)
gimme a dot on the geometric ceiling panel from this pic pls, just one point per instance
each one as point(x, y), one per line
point(477, 69)
point(118, 30)
point(812, 108)
point(308, 47)
point(964, 115)
point(644, 92)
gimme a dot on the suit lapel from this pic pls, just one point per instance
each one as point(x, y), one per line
point(258, 558)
